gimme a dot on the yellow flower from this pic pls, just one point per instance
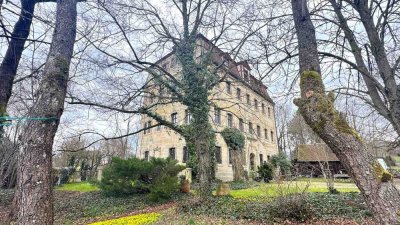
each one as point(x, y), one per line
point(140, 219)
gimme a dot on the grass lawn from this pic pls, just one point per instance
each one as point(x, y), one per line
point(81, 187)
point(265, 191)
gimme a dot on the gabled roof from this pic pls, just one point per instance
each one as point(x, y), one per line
point(315, 153)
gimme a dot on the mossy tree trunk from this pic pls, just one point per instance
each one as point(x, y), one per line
point(318, 110)
point(237, 165)
point(35, 192)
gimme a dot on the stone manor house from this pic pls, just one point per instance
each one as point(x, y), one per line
point(241, 101)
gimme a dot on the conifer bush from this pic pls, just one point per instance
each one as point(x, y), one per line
point(158, 177)
point(265, 171)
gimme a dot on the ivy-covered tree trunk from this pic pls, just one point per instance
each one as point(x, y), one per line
point(235, 140)
point(237, 165)
point(35, 191)
point(317, 109)
point(196, 80)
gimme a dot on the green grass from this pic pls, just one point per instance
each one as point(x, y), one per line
point(81, 187)
point(266, 191)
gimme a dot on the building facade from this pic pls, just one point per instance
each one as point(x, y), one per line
point(240, 101)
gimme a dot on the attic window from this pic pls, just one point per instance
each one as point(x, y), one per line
point(245, 75)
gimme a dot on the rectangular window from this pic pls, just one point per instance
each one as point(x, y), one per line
point(250, 128)
point(230, 156)
point(172, 153)
point(246, 75)
point(266, 134)
point(241, 125)
point(228, 87)
point(255, 104)
point(146, 155)
point(185, 154)
point(238, 94)
point(174, 118)
point(230, 120)
point(269, 112)
point(218, 157)
point(146, 127)
point(248, 99)
point(263, 107)
point(268, 157)
point(188, 117)
point(217, 116)
point(161, 91)
point(261, 159)
point(258, 131)
point(272, 136)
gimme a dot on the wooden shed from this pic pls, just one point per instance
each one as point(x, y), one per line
point(312, 159)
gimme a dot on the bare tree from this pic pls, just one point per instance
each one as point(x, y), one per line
point(319, 112)
point(365, 42)
point(34, 187)
point(9, 65)
point(199, 72)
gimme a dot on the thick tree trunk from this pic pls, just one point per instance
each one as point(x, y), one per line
point(8, 70)
point(35, 194)
point(319, 112)
point(202, 144)
point(237, 165)
point(9, 65)
point(199, 133)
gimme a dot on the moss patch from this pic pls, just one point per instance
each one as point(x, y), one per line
point(380, 172)
point(311, 82)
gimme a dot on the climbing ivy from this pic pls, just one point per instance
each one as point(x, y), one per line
point(233, 138)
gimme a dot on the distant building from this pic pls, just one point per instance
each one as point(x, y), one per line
point(241, 101)
point(312, 159)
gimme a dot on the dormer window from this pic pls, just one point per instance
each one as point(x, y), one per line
point(245, 75)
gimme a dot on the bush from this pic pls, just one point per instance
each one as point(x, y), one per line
point(158, 177)
point(265, 171)
point(165, 179)
point(291, 207)
point(282, 162)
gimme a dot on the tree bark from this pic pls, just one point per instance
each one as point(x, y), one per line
point(237, 165)
point(319, 112)
point(203, 139)
point(35, 194)
point(9, 65)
